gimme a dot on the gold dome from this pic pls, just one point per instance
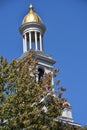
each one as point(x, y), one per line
point(32, 16)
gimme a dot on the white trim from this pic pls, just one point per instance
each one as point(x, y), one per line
point(39, 63)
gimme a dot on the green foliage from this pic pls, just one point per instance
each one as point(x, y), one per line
point(84, 128)
point(21, 105)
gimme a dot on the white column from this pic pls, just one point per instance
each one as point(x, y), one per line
point(36, 47)
point(30, 46)
point(41, 48)
point(37, 76)
point(25, 46)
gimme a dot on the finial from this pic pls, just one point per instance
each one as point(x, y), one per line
point(31, 7)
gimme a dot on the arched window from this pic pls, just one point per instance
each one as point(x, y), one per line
point(40, 73)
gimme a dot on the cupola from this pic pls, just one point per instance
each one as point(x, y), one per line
point(32, 30)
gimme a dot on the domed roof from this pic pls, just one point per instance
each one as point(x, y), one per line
point(31, 16)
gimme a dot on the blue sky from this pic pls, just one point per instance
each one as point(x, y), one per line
point(65, 39)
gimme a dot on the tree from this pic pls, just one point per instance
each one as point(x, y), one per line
point(84, 128)
point(26, 103)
